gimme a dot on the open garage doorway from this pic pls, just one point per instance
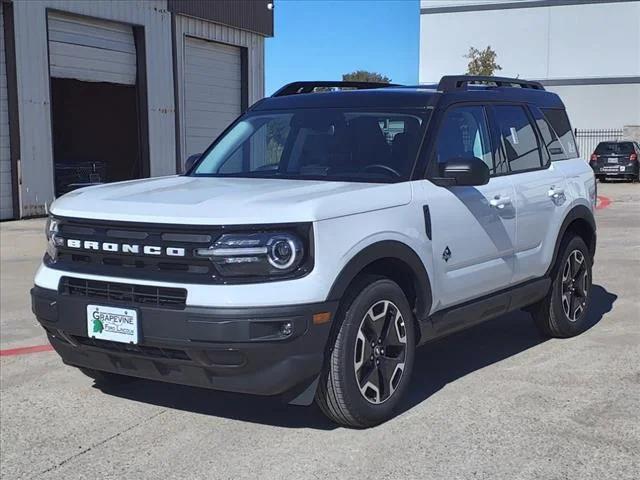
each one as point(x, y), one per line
point(95, 133)
point(98, 101)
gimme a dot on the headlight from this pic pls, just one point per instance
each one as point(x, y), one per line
point(51, 227)
point(256, 254)
point(53, 239)
point(283, 251)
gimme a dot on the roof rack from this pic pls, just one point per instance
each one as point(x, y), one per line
point(451, 83)
point(308, 87)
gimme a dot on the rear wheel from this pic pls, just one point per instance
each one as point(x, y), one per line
point(369, 367)
point(563, 312)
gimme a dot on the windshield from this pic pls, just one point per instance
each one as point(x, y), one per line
point(327, 144)
point(614, 148)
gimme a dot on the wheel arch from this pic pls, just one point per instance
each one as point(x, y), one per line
point(579, 221)
point(394, 260)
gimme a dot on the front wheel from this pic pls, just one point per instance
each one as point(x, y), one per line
point(563, 312)
point(369, 367)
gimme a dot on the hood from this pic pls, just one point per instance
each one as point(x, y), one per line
point(237, 201)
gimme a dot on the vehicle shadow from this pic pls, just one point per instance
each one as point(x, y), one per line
point(444, 361)
point(436, 364)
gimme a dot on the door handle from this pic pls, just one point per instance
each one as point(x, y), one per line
point(499, 201)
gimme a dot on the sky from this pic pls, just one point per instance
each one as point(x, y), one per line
point(322, 39)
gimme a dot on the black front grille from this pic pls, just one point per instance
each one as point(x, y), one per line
point(185, 268)
point(157, 252)
point(143, 295)
point(142, 350)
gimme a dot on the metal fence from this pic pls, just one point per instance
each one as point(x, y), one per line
point(589, 138)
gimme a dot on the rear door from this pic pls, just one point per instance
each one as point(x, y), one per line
point(540, 198)
point(473, 228)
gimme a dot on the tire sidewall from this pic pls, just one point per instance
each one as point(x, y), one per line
point(379, 290)
point(567, 327)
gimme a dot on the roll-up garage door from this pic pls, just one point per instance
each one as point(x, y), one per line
point(212, 95)
point(6, 199)
point(91, 50)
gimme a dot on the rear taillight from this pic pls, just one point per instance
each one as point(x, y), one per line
point(633, 157)
point(594, 157)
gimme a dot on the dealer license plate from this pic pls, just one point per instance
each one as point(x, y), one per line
point(612, 160)
point(110, 323)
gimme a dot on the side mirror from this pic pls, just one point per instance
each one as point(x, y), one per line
point(191, 161)
point(468, 171)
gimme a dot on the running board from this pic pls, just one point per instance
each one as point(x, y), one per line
point(486, 308)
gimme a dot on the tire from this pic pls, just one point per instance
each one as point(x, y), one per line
point(563, 312)
point(604, 179)
point(362, 384)
point(105, 379)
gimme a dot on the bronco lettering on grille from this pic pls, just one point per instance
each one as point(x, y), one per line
point(125, 248)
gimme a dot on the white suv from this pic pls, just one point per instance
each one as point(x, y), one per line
point(322, 238)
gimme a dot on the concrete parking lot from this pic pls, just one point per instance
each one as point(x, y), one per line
point(496, 401)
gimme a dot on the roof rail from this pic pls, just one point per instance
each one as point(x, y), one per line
point(451, 83)
point(308, 87)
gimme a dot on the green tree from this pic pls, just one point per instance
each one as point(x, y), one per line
point(482, 62)
point(365, 76)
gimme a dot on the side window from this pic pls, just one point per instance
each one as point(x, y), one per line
point(518, 138)
point(464, 133)
point(560, 123)
point(549, 137)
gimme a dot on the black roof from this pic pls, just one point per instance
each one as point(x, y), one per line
point(380, 97)
point(452, 89)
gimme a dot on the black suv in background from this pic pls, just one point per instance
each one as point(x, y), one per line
point(616, 159)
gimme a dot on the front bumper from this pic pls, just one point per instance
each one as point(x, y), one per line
point(232, 349)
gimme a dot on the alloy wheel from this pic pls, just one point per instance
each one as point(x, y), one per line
point(380, 352)
point(575, 285)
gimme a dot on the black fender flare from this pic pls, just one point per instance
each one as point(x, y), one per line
point(386, 249)
point(579, 212)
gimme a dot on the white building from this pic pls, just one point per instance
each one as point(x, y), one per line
point(588, 51)
point(105, 90)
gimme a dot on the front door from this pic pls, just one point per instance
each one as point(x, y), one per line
point(473, 228)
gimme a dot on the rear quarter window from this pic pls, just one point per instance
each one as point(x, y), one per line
point(552, 144)
point(560, 124)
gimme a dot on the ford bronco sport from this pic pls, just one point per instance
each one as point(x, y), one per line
point(322, 238)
